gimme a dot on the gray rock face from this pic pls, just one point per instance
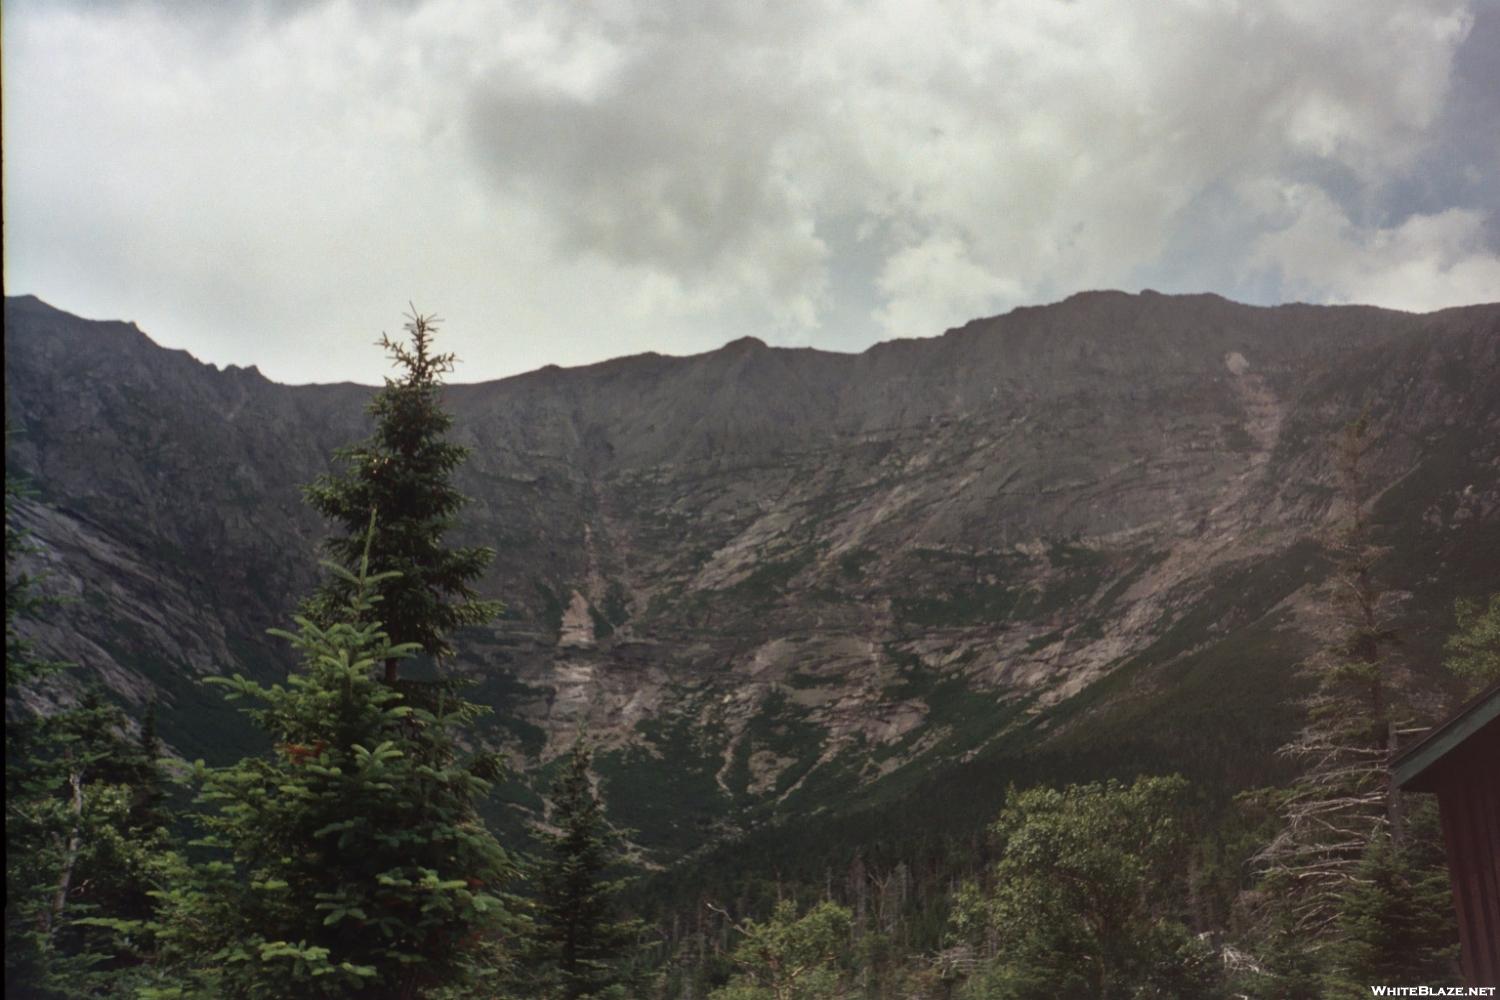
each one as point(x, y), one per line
point(787, 573)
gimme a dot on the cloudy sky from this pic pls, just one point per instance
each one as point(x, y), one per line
point(271, 183)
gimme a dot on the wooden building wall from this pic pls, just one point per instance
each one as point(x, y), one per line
point(1468, 789)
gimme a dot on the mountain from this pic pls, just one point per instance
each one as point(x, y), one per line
point(1080, 538)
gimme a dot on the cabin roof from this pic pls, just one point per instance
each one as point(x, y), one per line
point(1415, 767)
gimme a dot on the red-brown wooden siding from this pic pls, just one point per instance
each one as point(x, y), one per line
point(1468, 789)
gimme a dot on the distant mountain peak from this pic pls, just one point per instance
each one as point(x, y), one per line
point(745, 344)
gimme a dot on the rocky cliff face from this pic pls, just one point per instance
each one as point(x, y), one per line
point(774, 579)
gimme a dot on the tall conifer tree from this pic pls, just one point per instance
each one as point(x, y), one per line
point(356, 862)
point(404, 472)
point(1347, 881)
point(582, 943)
point(1342, 801)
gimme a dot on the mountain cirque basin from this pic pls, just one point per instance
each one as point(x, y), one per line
point(1074, 539)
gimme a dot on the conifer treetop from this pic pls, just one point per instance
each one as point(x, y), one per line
point(404, 472)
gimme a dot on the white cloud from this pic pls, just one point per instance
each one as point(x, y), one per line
point(566, 182)
point(1427, 262)
point(1033, 148)
point(936, 285)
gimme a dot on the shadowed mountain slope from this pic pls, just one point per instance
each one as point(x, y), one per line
point(785, 581)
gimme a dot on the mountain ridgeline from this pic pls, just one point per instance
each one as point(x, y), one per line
point(1074, 540)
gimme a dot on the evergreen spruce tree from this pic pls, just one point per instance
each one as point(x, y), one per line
point(1289, 966)
point(1395, 920)
point(352, 861)
point(404, 471)
point(1474, 649)
point(582, 946)
point(116, 848)
point(81, 857)
point(148, 781)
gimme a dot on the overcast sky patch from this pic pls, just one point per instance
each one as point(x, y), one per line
point(271, 184)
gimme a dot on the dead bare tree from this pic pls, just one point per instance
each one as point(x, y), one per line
point(1343, 799)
